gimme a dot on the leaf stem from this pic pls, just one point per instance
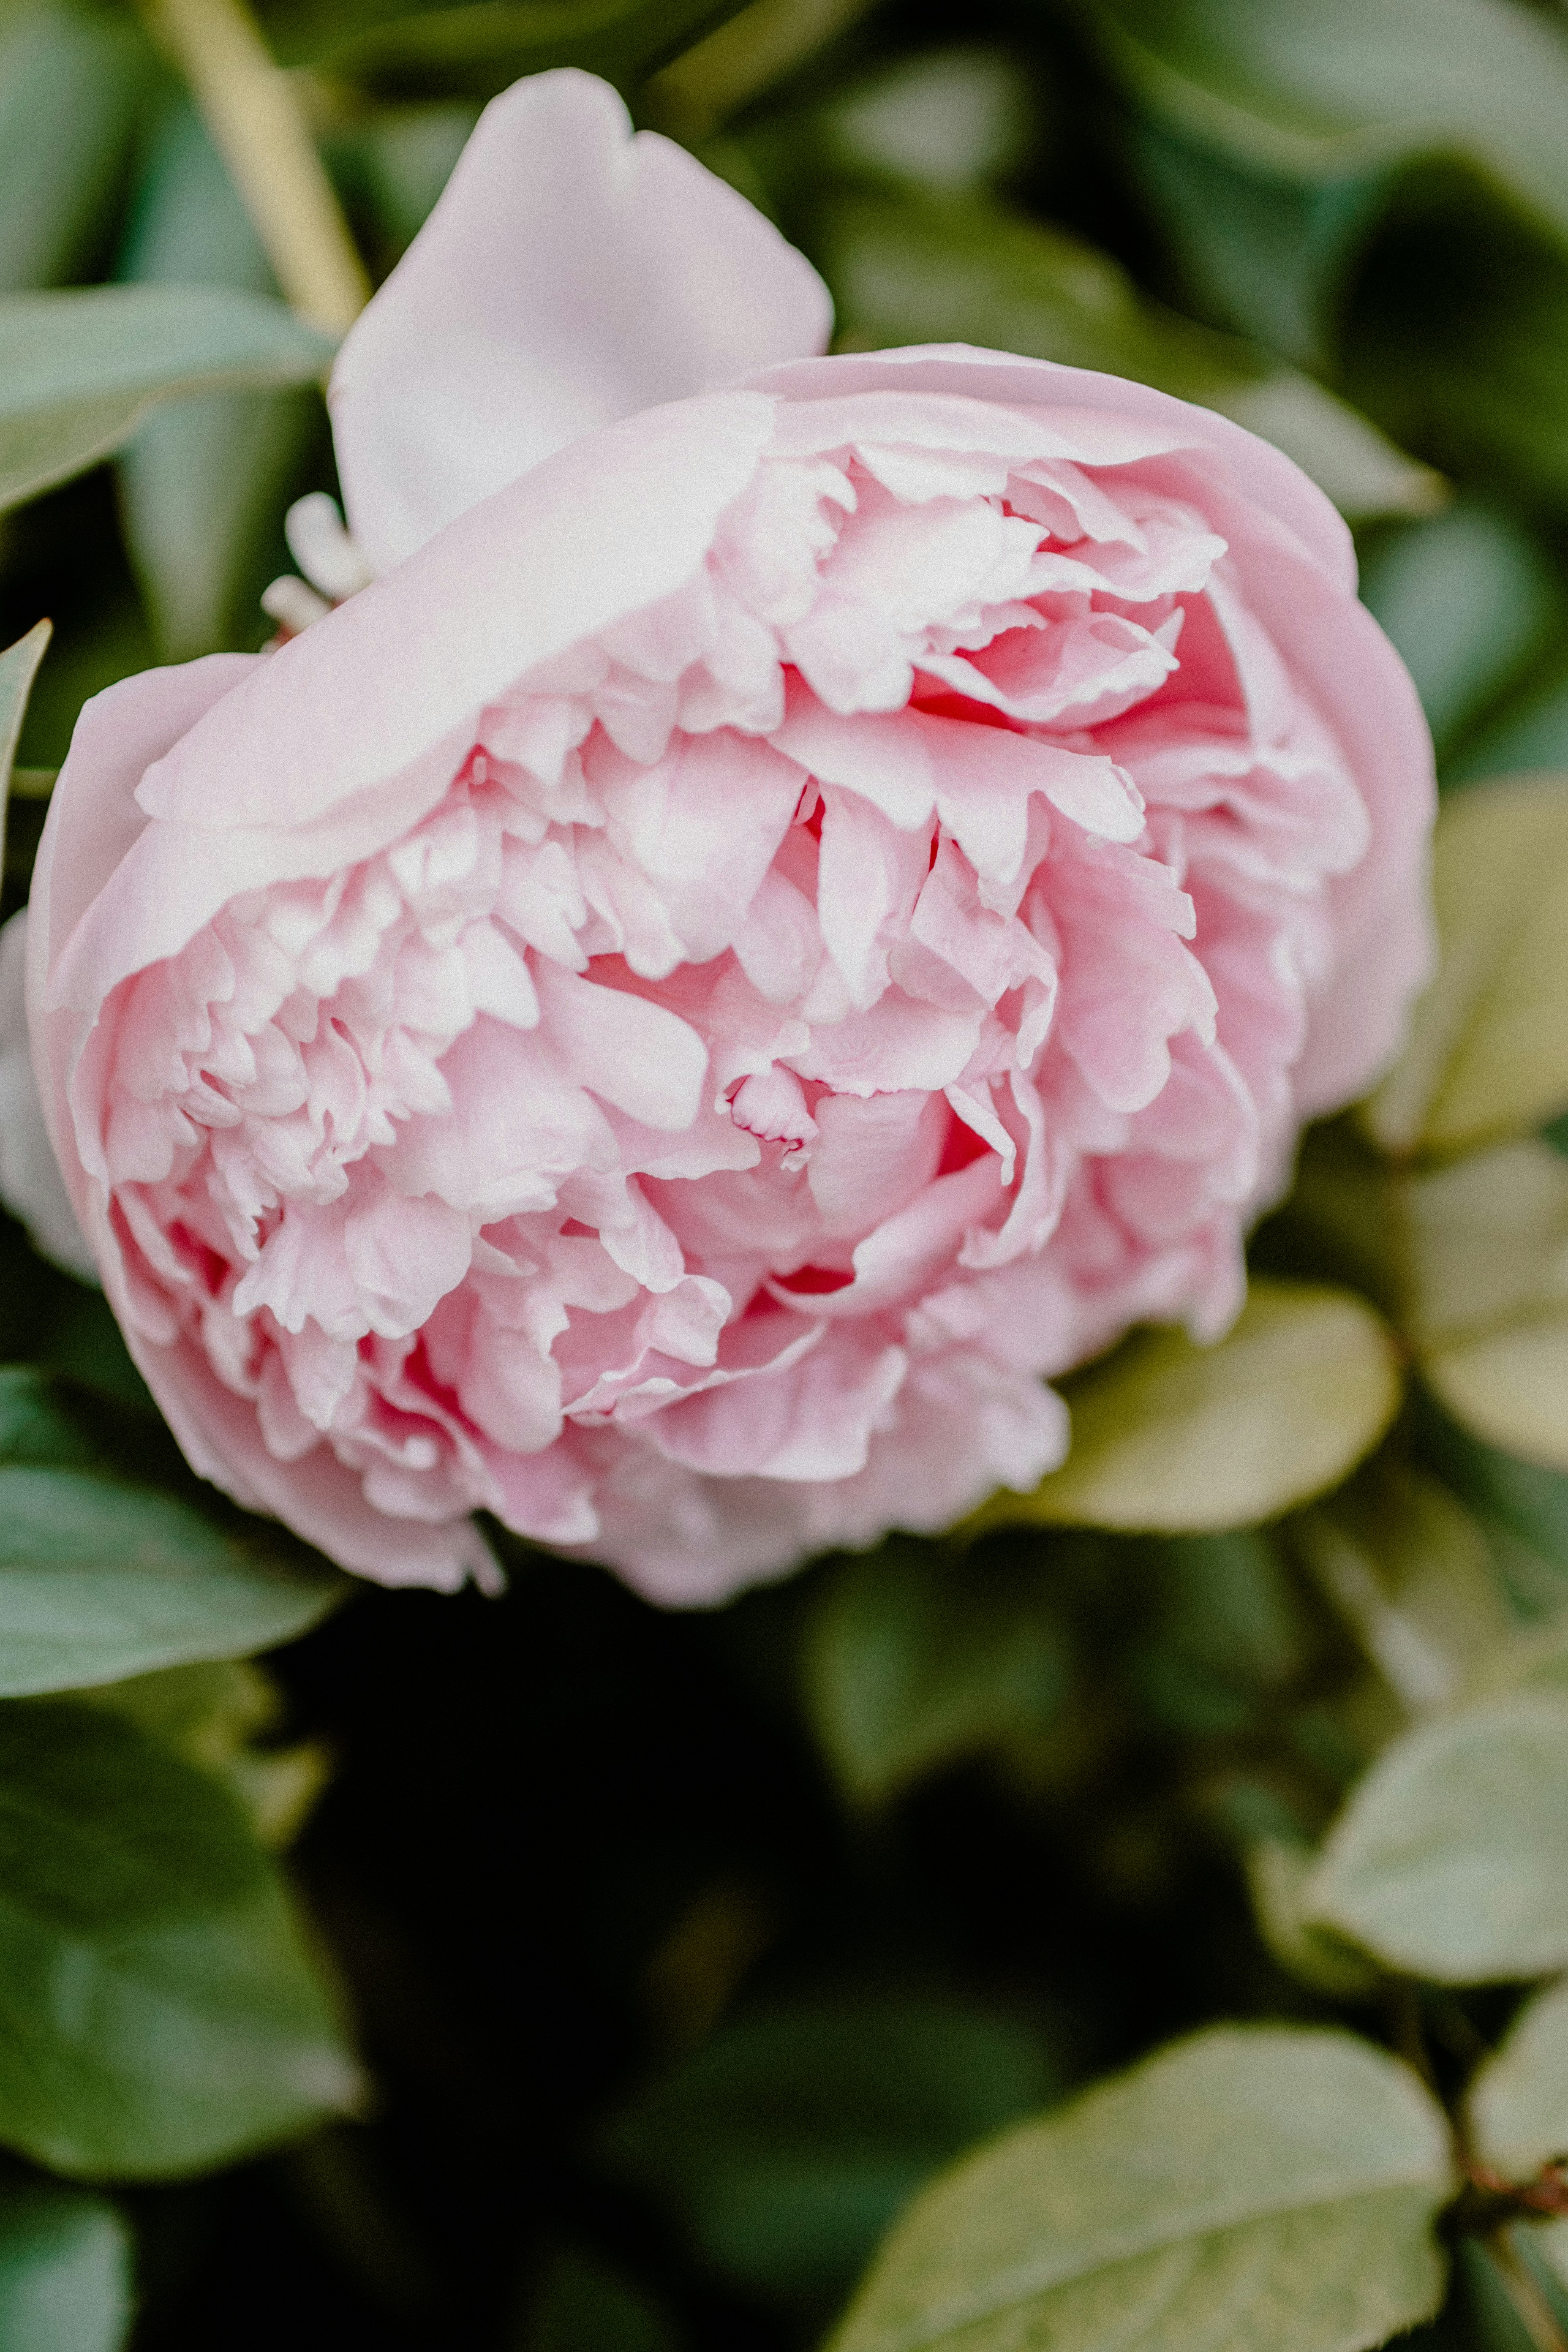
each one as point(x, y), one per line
point(252, 111)
point(1535, 2314)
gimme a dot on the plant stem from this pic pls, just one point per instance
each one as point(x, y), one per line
point(252, 111)
point(1536, 2316)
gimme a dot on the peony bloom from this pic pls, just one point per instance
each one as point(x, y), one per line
point(785, 915)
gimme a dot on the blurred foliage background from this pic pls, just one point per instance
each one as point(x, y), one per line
point(681, 1949)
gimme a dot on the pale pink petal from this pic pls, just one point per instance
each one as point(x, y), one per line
point(570, 275)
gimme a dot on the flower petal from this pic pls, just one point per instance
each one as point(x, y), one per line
point(570, 275)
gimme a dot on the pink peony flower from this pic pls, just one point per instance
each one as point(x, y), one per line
point(784, 917)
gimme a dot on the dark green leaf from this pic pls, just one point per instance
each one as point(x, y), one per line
point(917, 1656)
point(1451, 1859)
point(102, 1575)
point(584, 2307)
point(477, 49)
point(1327, 89)
point(65, 2270)
point(1412, 1576)
point(157, 2009)
point(1248, 2187)
point(967, 268)
point(786, 2145)
point(71, 80)
point(81, 369)
point(1467, 600)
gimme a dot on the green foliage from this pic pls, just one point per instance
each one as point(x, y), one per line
point(205, 482)
point(158, 2012)
point(104, 1573)
point(1489, 1052)
point(72, 80)
point(1234, 1769)
point(479, 49)
point(1267, 2187)
point(65, 2270)
point(916, 1656)
point(788, 2142)
point(582, 2306)
point(1517, 2103)
point(1451, 1859)
point(18, 667)
point(1171, 1436)
point(967, 268)
point(80, 369)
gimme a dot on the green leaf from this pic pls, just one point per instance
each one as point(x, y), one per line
point(584, 2307)
point(1467, 600)
point(1412, 1576)
point(788, 2142)
point(158, 2013)
point(915, 1657)
point(1487, 1053)
point(1170, 1437)
point(203, 483)
point(65, 2270)
point(81, 369)
point(70, 82)
point(1487, 1310)
point(968, 268)
point(947, 119)
point(1251, 2185)
point(18, 667)
point(102, 1575)
point(482, 47)
point(1518, 2102)
point(1450, 1860)
point(1328, 89)
point(215, 1715)
point(1277, 1876)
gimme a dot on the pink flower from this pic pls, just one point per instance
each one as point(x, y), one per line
point(784, 917)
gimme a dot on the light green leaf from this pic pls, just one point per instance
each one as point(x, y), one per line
point(1251, 2185)
point(158, 2013)
point(65, 2270)
point(1169, 1437)
point(1489, 1048)
point(102, 1575)
point(1412, 1576)
point(1487, 1309)
point(203, 483)
point(1518, 2102)
point(80, 368)
point(786, 2144)
point(952, 117)
point(18, 667)
point(1277, 1876)
point(1450, 1860)
point(969, 268)
point(1327, 89)
point(915, 1657)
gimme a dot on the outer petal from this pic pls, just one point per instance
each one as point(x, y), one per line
point(333, 746)
point(570, 275)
